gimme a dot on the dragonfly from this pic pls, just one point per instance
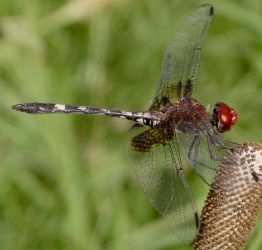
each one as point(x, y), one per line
point(175, 127)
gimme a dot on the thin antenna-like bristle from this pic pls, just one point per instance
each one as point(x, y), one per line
point(234, 201)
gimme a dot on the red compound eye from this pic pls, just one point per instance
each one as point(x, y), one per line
point(224, 117)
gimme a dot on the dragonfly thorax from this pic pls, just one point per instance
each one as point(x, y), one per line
point(187, 115)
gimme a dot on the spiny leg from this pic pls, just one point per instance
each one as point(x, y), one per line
point(210, 150)
point(199, 167)
point(193, 150)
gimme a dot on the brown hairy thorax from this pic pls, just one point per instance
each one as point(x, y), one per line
point(234, 201)
point(188, 116)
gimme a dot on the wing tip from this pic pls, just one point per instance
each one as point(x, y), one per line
point(196, 220)
point(211, 9)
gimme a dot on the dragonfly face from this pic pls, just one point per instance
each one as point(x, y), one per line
point(174, 125)
point(224, 117)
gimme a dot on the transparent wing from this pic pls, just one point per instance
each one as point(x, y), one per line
point(159, 170)
point(204, 152)
point(181, 61)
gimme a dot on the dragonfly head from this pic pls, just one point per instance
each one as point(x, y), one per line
point(224, 117)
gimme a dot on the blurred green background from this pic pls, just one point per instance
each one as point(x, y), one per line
point(66, 181)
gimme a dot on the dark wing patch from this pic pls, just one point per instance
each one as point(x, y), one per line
point(144, 141)
point(181, 61)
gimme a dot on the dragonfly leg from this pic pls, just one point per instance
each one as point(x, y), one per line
point(193, 151)
point(210, 150)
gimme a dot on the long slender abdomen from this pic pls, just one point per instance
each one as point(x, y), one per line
point(146, 118)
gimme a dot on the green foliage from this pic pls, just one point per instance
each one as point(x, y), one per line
point(66, 181)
